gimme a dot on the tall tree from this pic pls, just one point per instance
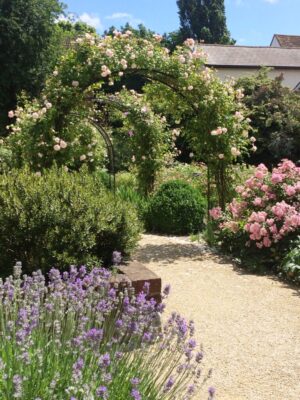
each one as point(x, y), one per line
point(26, 31)
point(204, 20)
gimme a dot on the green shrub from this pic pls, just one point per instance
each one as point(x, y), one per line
point(290, 266)
point(176, 208)
point(274, 111)
point(61, 218)
point(127, 190)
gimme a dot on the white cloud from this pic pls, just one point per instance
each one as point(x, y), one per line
point(119, 15)
point(91, 20)
point(126, 17)
point(271, 1)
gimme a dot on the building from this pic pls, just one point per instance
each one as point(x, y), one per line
point(287, 41)
point(236, 61)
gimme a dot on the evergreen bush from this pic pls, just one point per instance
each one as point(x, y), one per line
point(176, 208)
point(61, 218)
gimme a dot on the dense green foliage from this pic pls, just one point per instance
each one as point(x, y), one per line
point(59, 219)
point(176, 208)
point(127, 190)
point(203, 20)
point(290, 267)
point(275, 114)
point(26, 29)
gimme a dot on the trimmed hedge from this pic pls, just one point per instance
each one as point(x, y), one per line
point(176, 208)
point(61, 218)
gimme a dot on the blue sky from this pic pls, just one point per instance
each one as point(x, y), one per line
point(251, 22)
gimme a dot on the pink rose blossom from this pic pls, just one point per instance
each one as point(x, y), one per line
point(257, 201)
point(267, 242)
point(290, 190)
point(277, 178)
point(215, 213)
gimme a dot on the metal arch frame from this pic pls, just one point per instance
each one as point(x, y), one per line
point(110, 150)
point(109, 147)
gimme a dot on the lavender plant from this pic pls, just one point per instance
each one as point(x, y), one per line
point(74, 337)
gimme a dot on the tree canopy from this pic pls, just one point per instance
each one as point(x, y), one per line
point(203, 20)
point(26, 29)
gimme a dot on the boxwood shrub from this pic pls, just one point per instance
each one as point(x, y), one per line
point(60, 219)
point(176, 208)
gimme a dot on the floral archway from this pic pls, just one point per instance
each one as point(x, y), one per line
point(181, 95)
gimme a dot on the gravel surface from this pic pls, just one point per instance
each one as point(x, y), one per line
point(249, 325)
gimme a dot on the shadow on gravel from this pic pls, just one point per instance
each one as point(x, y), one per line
point(167, 253)
point(225, 259)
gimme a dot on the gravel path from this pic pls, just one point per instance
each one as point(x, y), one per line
point(249, 325)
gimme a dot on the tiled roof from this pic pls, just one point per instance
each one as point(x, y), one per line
point(290, 41)
point(246, 56)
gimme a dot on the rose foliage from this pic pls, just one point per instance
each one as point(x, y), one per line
point(86, 86)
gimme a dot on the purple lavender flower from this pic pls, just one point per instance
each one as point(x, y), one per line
point(94, 335)
point(119, 355)
point(199, 357)
point(112, 293)
point(103, 306)
point(211, 392)
point(192, 343)
point(134, 326)
point(78, 365)
point(104, 361)
point(191, 389)
point(135, 394)
point(147, 337)
point(10, 294)
point(116, 258)
point(17, 382)
point(168, 385)
point(82, 271)
point(141, 298)
point(102, 392)
point(119, 323)
point(167, 290)
point(189, 354)
point(182, 327)
point(160, 307)
point(146, 287)
point(84, 315)
point(134, 381)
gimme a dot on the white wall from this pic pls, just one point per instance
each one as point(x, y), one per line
point(291, 76)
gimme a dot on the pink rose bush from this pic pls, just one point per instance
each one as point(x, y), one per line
point(265, 216)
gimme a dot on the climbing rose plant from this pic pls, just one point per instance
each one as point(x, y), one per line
point(265, 216)
point(53, 128)
point(76, 338)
